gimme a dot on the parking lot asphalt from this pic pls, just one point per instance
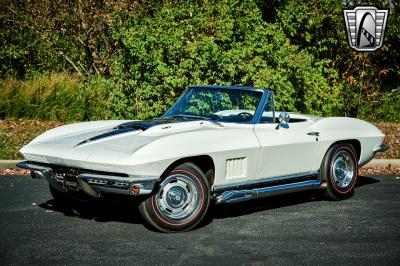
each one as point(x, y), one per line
point(299, 228)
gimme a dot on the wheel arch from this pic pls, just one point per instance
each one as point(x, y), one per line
point(204, 162)
point(354, 142)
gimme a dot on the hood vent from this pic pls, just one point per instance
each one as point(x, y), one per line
point(142, 125)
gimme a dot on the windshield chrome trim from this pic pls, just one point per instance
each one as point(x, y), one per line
point(261, 106)
point(247, 88)
point(270, 93)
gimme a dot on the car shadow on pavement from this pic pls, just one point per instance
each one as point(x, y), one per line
point(112, 208)
point(365, 180)
point(125, 210)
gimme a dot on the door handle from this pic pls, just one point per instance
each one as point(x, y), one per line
point(313, 133)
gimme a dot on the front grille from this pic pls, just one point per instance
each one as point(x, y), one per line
point(69, 177)
point(108, 183)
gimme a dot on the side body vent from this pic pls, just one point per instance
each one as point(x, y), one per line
point(236, 168)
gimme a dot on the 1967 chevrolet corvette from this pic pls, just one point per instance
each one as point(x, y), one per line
point(214, 145)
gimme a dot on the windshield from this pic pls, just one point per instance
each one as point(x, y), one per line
point(219, 104)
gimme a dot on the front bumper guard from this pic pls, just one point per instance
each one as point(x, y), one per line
point(93, 184)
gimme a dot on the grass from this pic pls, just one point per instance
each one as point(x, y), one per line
point(51, 96)
point(16, 133)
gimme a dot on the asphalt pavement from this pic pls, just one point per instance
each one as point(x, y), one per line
point(298, 228)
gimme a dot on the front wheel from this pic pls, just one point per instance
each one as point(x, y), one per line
point(340, 170)
point(180, 201)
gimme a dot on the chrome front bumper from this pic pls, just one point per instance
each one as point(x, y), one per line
point(381, 148)
point(93, 183)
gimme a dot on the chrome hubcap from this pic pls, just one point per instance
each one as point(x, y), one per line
point(178, 197)
point(343, 169)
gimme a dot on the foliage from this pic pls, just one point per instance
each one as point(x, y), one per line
point(371, 81)
point(16, 133)
point(81, 60)
point(39, 36)
point(56, 96)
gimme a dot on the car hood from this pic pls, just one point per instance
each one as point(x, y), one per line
point(91, 141)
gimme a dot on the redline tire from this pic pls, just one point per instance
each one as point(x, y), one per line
point(340, 170)
point(180, 201)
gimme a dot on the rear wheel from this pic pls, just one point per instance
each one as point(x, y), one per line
point(340, 170)
point(180, 202)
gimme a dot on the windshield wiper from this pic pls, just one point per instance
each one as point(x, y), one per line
point(197, 117)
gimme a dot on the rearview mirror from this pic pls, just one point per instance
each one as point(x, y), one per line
point(283, 120)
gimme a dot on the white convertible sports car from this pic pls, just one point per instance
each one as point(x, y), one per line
point(214, 145)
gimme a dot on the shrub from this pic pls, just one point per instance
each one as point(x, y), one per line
point(85, 60)
point(55, 96)
point(167, 49)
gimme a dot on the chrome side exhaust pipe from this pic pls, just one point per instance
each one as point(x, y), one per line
point(232, 196)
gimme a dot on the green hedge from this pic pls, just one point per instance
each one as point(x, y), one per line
point(151, 54)
point(56, 96)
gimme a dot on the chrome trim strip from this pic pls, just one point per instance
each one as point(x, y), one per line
point(264, 103)
point(233, 87)
point(381, 148)
point(232, 196)
point(117, 182)
point(106, 177)
point(265, 181)
point(33, 167)
point(261, 106)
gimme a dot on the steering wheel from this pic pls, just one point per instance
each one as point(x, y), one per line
point(245, 115)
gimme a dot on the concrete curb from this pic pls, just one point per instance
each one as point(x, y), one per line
point(383, 163)
point(10, 164)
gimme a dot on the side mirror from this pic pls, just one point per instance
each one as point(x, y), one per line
point(283, 120)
